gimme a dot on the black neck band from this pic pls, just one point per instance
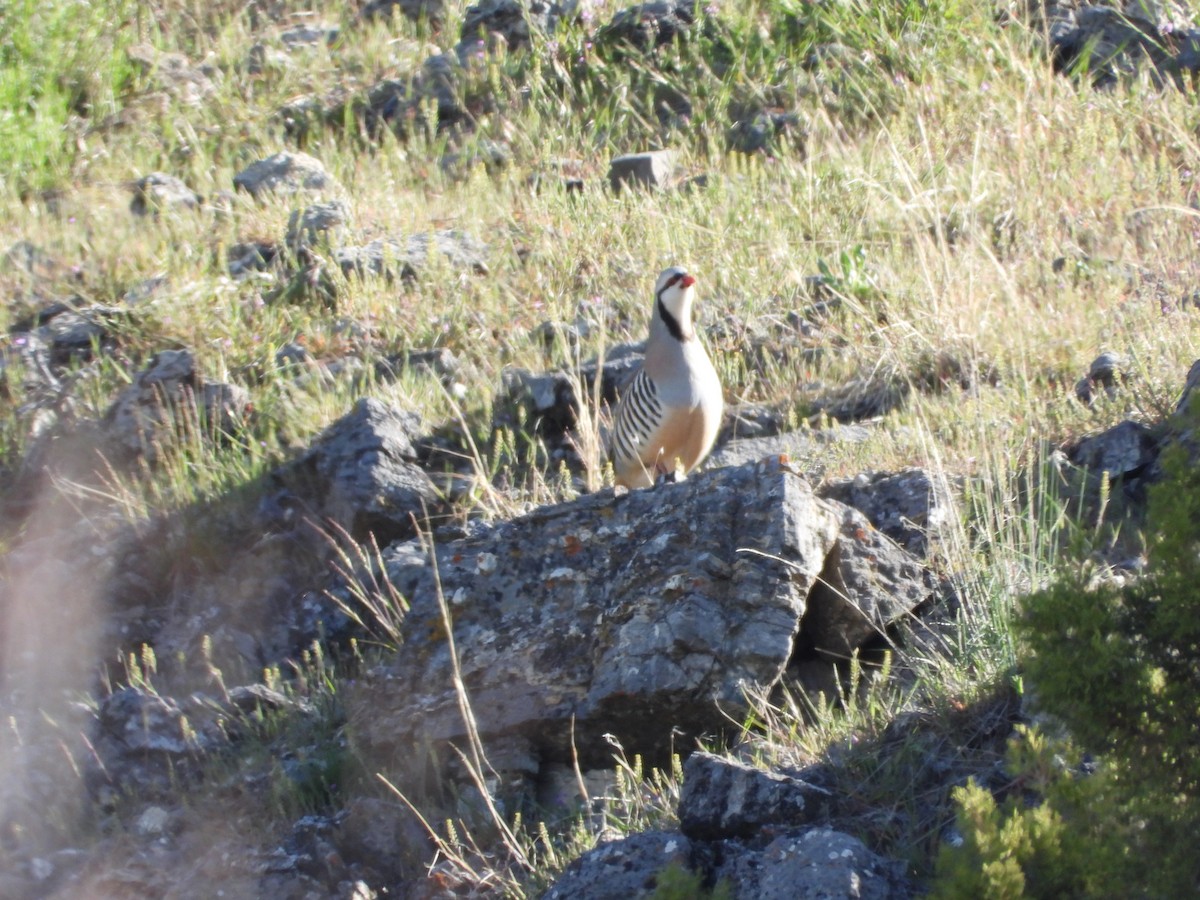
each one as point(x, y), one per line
point(671, 322)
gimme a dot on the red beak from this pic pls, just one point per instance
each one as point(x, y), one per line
point(686, 281)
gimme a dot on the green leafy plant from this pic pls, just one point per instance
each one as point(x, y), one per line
point(1119, 665)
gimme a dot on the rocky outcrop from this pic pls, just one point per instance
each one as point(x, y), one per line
point(1109, 42)
point(512, 21)
point(910, 507)
point(1127, 450)
point(645, 616)
point(624, 869)
point(276, 51)
point(744, 831)
point(361, 474)
point(432, 11)
point(723, 798)
point(167, 399)
point(318, 225)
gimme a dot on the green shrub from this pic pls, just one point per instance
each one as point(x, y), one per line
point(57, 62)
point(1119, 666)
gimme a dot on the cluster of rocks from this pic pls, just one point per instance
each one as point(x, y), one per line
point(1112, 42)
point(743, 830)
point(444, 82)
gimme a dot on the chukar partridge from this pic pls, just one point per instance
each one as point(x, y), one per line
point(670, 411)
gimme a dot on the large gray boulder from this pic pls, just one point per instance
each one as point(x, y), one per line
point(648, 616)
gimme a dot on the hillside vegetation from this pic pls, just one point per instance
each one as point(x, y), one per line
point(974, 227)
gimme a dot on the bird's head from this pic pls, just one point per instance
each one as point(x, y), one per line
point(673, 291)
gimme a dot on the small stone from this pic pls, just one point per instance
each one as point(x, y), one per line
point(41, 869)
point(152, 822)
point(653, 169)
point(285, 173)
point(321, 223)
point(159, 192)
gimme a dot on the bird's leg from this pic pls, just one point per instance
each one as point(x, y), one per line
point(664, 474)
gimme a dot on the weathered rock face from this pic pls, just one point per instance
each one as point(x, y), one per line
point(550, 399)
point(623, 869)
point(869, 583)
point(812, 863)
point(509, 19)
point(798, 446)
point(653, 169)
point(317, 225)
point(1123, 451)
point(1112, 41)
point(144, 740)
point(360, 473)
point(907, 506)
point(816, 863)
point(276, 52)
point(649, 25)
point(434, 11)
point(175, 75)
point(641, 616)
point(726, 799)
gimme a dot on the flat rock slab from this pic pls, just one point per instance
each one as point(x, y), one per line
point(796, 445)
point(653, 169)
point(645, 616)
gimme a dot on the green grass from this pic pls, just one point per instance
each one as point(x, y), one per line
point(938, 170)
point(58, 68)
